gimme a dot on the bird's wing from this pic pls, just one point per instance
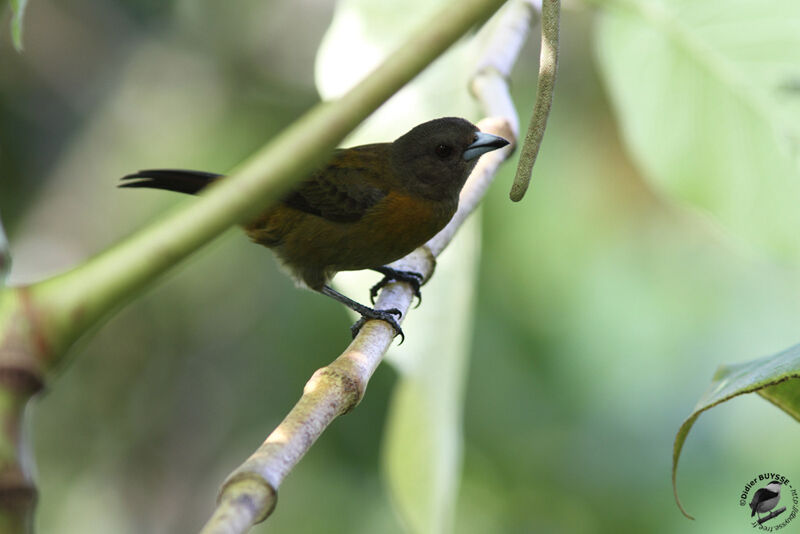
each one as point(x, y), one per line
point(755, 500)
point(343, 190)
point(758, 497)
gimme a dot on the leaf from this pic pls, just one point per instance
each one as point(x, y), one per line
point(774, 378)
point(18, 12)
point(423, 440)
point(423, 437)
point(707, 101)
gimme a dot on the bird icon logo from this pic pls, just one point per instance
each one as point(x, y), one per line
point(765, 499)
point(772, 498)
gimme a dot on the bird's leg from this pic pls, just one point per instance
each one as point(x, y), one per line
point(390, 275)
point(366, 313)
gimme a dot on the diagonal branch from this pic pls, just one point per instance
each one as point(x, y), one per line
point(5, 255)
point(78, 299)
point(249, 495)
point(40, 322)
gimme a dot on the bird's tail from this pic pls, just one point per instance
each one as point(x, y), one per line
point(182, 181)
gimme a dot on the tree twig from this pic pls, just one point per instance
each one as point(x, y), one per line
point(548, 65)
point(40, 322)
point(76, 300)
point(337, 388)
point(503, 38)
point(774, 513)
point(5, 255)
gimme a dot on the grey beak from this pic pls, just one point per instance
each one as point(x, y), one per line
point(483, 143)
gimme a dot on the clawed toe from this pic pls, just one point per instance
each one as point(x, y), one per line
point(380, 315)
point(390, 275)
point(366, 313)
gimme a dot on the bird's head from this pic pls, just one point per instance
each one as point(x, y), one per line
point(437, 156)
point(774, 486)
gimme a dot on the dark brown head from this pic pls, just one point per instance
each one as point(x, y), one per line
point(436, 157)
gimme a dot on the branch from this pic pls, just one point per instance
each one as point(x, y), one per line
point(337, 388)
point(76, 300)
point(249, 494)
point(5, 255)
point(17, 384)
point(503, 38)
point(548, 65)
point(17, 15)
point(772, 514)
point(40, 322)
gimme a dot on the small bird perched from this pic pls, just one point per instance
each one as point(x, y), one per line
point(765, 499)
point(368, 206)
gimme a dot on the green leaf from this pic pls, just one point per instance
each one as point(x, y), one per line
point(423, 440)
point(774, 378)
point(423, 436)
point(706, 98)
point(707, 101)
point(18, 12)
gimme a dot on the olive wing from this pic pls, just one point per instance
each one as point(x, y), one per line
point(346, 188)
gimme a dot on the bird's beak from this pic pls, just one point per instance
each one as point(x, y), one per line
point(483, 143)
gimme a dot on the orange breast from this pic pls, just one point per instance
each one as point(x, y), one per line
point(410, 221)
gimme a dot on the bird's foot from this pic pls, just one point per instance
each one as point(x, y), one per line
point(368, 314)
point(390, 275)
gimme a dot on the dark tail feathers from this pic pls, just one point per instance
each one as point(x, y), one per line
point(170, 179)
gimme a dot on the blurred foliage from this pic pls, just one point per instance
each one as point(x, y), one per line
point(422, 445)
point(17, 15)
point(774, 378)
point(603, 307)
point(710, 120)
point(5, 255)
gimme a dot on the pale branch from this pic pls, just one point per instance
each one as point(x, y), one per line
point(337, 388)
point(39, 323)
point(245, 502)
point(499, 51)
point(77, 299)
point(502, 41)
point(477, 184)
point(774, 513)
point(548, 65)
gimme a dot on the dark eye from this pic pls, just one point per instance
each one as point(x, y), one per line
point(444, 150)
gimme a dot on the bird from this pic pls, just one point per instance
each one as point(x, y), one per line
point(366, 207)
point(765, 499)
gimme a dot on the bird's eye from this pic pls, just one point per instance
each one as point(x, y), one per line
point(443, 150)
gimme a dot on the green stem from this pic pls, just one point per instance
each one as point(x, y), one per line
point(5, 255)
point(548, 65)
point(17, 15)
point(74, 301)
point(40, 322)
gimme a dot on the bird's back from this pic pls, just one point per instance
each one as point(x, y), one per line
point(352, 214)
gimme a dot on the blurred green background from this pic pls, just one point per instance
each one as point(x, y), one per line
point(603, 306)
